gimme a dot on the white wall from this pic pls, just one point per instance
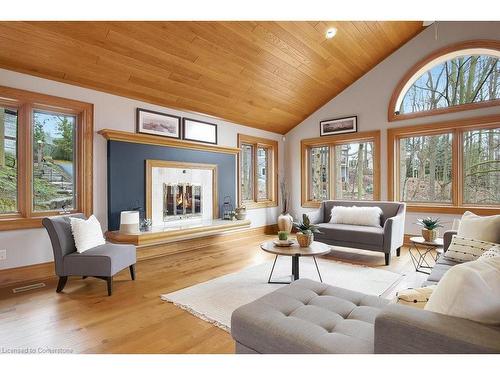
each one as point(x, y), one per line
point(25, 247)
point(368, 98)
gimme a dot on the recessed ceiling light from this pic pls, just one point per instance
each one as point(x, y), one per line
point(331, 32)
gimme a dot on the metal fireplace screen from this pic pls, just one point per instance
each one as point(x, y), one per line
point(181, 201)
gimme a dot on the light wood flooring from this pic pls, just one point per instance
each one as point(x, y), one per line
point(134, 320)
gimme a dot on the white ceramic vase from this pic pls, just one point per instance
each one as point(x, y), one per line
point(285, 222)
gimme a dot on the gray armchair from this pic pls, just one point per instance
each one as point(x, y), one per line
point(386, 239)
point(102, 262)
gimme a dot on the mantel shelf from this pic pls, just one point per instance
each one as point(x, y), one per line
point(122, 136)
point(160, 235)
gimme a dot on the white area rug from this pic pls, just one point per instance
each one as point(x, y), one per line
point(216, 299)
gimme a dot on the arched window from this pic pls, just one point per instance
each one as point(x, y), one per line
point(460, 77)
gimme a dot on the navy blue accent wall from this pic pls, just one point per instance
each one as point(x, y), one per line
point(127, 174)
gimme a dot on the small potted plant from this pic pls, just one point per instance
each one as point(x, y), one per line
point(282, 235)
point(305, 231)
point(146, 225)
point(429, 228)
point(241, 213)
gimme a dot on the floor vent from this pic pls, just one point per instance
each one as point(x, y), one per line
point(28, 287)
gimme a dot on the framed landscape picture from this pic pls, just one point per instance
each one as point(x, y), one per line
point(151, 122)
point(339, 126)
point(199, 131)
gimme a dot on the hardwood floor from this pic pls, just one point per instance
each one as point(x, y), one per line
point(134, 319)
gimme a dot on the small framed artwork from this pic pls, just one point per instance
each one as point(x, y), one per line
point(339, 126)
point(199, 131)
point(157, 123)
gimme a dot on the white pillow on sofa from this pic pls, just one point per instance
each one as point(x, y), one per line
point(86, 233)
point(491, 252)
point(367, 216)
point(485, 228)
point(469, 290)
point(466, 249)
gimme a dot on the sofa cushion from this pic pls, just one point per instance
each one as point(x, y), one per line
point(442, 265)
point(308, 317)
point(103, 260)
point(351, 233)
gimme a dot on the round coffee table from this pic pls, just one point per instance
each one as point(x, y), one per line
point(420, 248)
point(295, 251)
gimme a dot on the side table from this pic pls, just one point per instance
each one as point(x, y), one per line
point(421, 250)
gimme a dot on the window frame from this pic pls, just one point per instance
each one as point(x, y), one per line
point(457, 128)
point(26, 102)
point(272, 171)
point(472, 44)
point(330, 142)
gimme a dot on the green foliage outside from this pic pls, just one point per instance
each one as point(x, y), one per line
point(64, 146)
point(8, 185)
point(52, 184)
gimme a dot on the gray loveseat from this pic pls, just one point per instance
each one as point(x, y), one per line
point(386, 239)
point(311, 317)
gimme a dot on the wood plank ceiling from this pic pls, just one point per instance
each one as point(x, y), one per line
point(268, 75)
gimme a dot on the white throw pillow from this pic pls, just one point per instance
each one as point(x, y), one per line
point(485, 228)
point(87, 233)
point(466, 249)
point(469, 290)
point(415, 297)
point(367, 216)
point(492, 252)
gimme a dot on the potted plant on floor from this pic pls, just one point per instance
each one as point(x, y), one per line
point(285, 220)
point(305, 231)
point(429, 228)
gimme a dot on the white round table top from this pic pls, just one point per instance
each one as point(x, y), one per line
point(316, 248)
point(421, 241)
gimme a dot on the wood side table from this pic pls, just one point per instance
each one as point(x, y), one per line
point(295, 252)
point(420, 250)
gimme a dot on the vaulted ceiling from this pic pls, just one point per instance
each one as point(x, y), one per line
point(268, 75)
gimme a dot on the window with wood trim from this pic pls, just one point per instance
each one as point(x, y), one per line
point(258, 172)
point(459, 77)
point(341, 167)
point(45, 157)
point(447, 167)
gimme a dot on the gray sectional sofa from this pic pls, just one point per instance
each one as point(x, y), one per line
point(387, 239)
point(311, 317)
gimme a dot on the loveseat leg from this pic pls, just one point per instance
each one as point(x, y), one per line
point(387, 258)
point(132, 271)
point(398, 251)
point(109, 281)
point(61, 284)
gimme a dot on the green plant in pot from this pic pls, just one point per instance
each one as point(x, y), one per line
point(282, 235)
point(430, 227)
point(305, 231)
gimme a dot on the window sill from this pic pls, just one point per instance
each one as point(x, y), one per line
point(16, 223)
point(311, 204)
point(20, 223)
point(448, 209)
point(263, 204)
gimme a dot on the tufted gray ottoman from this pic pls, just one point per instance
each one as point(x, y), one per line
point(307, 317)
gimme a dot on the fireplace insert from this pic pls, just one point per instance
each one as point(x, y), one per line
point(181, 201)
